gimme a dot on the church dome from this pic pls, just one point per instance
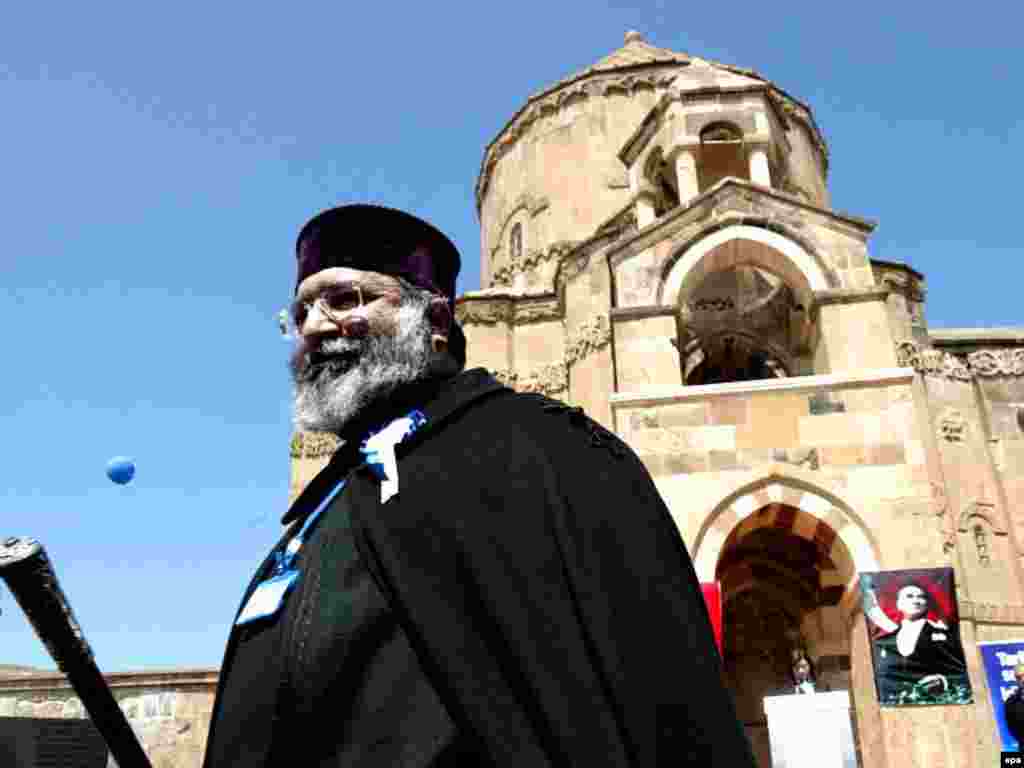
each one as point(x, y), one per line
point(553, 174)
point(635, 54)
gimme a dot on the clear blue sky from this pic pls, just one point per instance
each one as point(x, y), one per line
point(158, 160)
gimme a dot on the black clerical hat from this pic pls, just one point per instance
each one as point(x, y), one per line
point(378, 239)
point(385, 240)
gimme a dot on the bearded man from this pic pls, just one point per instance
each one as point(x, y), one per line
point(477, 577)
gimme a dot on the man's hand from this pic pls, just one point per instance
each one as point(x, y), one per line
point(933, 684)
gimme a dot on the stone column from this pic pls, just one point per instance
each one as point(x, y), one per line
point(686, 175)
point(759, 171)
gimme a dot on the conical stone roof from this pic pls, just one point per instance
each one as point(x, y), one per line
point(635, 55)
point(635, 52)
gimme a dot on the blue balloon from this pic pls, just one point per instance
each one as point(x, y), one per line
point(121, 469)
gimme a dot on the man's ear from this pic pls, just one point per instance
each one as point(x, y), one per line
point(440, 316)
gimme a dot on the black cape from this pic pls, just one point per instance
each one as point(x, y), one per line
point(938, 651)
point(527, 601)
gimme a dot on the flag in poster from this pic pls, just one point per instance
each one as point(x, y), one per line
point(1002, 661)
point(914, 630)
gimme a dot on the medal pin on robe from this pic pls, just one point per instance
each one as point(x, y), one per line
point(379, 450)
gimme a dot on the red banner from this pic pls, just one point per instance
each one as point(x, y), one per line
point(713, 599)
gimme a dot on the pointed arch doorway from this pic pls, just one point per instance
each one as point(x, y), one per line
point(783, 573)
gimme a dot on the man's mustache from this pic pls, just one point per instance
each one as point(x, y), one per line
point(330, 356)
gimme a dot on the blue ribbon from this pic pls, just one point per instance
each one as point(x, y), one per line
point(284, 560)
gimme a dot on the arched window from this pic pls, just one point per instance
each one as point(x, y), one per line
point(515, 241)
point(721, 155)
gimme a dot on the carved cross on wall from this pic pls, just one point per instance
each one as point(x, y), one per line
point(953, 427)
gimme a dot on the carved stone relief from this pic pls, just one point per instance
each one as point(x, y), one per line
point(985, 363)
point(984, 511)
point(980, 520)
point(552, 378)
point(807, 458)
point(547, 380)
point(313, 445)
point(712, 304)
point(537, 311)
point(932, 362)
point(484, 312)
point(589, 336)
point(952, 426)
point(530, 261)
point(508, 310)
point(903, 285)
point(997, 362)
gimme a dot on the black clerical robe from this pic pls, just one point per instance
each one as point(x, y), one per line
point(937, 651)
point(525, 600)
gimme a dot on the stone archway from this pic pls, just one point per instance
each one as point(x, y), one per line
point(787, 553)
point(796, 488)
point(740, 244)
point(744, 295)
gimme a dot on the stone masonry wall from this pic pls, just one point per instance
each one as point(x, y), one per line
point(169, 712)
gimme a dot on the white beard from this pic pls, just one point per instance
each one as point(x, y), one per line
point(329, 400)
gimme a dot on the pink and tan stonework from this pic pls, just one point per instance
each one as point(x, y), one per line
point(169, 711)
point(872, 442)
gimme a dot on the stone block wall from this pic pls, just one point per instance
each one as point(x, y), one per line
point(645, 350)
point(862, 438)
point(562, 155)
point(169, 711)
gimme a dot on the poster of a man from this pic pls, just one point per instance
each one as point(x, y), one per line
point(914, 631)
point(1003, 661)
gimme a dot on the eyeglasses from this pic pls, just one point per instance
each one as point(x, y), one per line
point(332, 300)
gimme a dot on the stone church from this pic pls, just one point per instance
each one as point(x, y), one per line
point(658, 246)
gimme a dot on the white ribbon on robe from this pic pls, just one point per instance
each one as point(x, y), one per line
point(379, 450)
